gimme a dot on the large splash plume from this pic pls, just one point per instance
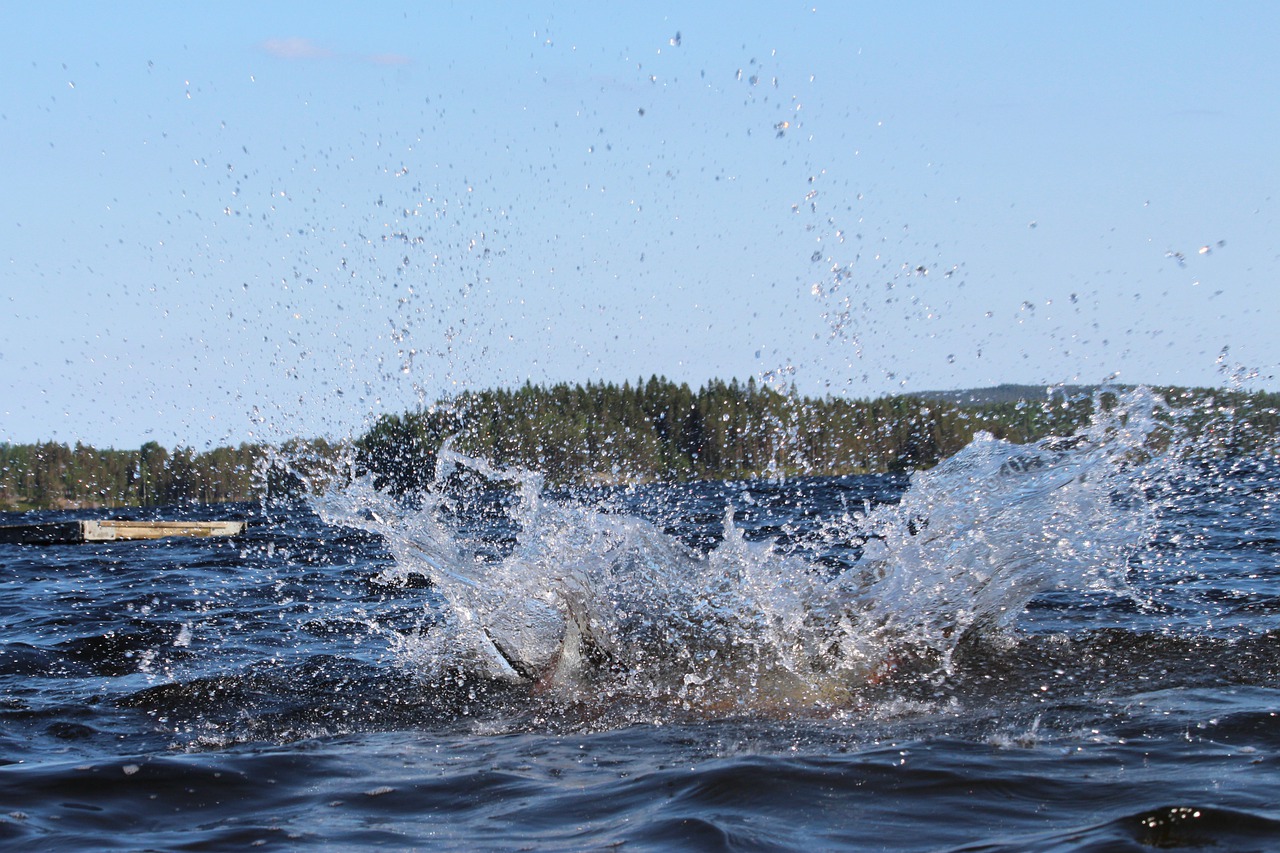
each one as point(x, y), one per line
point(579, 603)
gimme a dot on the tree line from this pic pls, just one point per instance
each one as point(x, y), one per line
point(653, 429)
point(49, 475)
point(661, 430)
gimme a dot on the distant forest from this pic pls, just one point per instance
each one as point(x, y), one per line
point(608, 433)
point(54, 476)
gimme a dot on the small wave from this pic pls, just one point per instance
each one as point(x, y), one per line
point(321, 696)
point(1184, 827)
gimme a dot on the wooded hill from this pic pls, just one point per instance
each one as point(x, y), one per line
point(603, 432)
point(658, 430)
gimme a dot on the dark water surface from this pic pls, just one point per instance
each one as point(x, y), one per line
point(206, 694)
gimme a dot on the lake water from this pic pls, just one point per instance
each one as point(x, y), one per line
point(1072, 646)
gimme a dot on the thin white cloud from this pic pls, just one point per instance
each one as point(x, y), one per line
point(296, 47)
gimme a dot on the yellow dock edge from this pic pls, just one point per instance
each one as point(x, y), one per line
point(112, 530)
point(107, 531)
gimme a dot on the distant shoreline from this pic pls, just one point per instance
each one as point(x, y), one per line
point(607, 434)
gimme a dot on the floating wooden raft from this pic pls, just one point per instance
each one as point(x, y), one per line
point(59, 532)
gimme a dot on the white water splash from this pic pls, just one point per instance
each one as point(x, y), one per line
point(606, 607)
point(974, 539)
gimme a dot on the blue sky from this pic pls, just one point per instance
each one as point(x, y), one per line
point(238, 223)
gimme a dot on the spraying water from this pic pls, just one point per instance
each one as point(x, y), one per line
point(585, 604)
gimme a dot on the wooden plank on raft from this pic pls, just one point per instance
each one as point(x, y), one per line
point(112, 530)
